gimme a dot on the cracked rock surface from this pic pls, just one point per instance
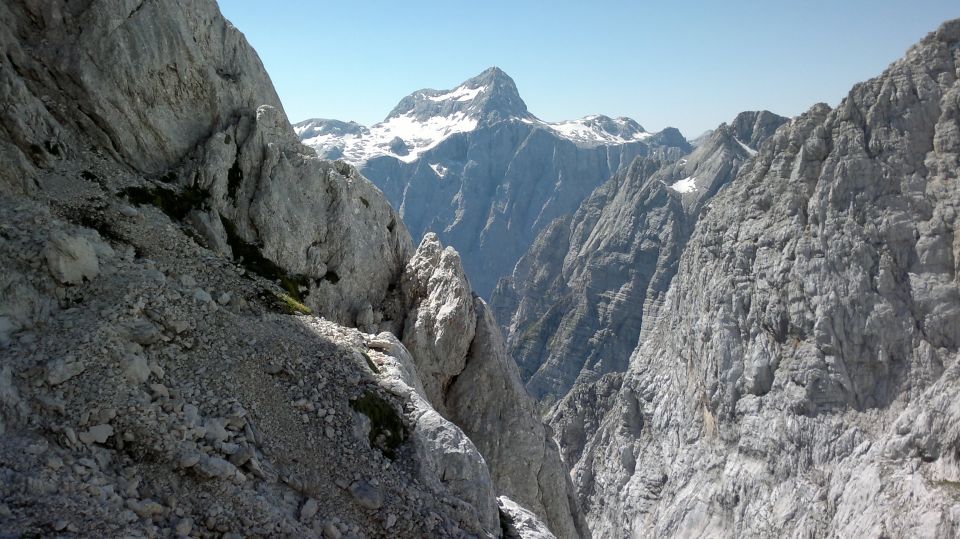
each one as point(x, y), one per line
point(478, 387)
point(801, 377)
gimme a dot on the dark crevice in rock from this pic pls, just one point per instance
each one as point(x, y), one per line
point(331, 277)
point(387, 432)
point(136, 9)
point(173, 203)
point(250, 257)
point(234, 178)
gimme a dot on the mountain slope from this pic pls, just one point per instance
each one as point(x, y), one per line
point(575, 304)
point(472, 165)
point(802, 376)
point(199, 318)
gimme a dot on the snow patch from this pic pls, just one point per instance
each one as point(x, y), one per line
point(686, 185)
point(439, 169)
point(750, 151)
point(585, 131)
point(460, 94)
point(419, 136)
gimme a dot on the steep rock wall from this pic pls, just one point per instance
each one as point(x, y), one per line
point(801, 378)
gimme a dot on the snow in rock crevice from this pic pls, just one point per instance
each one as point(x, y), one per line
point(439, 169)
point(750, 151)
point(460, 94)
point(686, 185)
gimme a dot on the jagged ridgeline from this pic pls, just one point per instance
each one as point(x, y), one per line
point(207, 330)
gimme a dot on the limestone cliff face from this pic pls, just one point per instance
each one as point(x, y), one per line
point(801, 378)
point(188, 101)
point(139, 91)
point(576, 303)
point(161, 224)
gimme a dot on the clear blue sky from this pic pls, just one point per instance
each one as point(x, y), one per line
point(689, 64)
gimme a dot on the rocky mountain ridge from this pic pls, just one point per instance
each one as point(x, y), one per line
point(206, 330)
point(800, 378)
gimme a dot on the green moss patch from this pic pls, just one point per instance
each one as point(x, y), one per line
point(251, 257)
point(292, 306)
point(387, 432)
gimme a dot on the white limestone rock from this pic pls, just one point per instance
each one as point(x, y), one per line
point(449, 459)
point(801, 378)
point(441, 321)
point(591, 285)
point(519, 523)
point(469, 377)
point(71, 258)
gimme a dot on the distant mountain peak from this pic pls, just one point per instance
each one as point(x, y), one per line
point(488, 98)
point(425, 118)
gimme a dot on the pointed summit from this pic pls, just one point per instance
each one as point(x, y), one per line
point(754, 127)
point(488, 98)
point(502, 99)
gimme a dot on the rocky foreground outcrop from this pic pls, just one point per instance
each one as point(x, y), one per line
point(469, 376)
point(180, 282)
point(802, 375)
point(578, 300)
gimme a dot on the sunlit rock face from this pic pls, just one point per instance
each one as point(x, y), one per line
point(801, 377)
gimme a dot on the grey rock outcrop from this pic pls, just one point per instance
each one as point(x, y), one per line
point(520, 523)
point(468, 375)
point(71, 259)
point(147, 104)
point(322, 223)
point(442, 323)
point(577, 301)
point(801, 378)
point(449, 459)
point(195, 59)
point(495, 176)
